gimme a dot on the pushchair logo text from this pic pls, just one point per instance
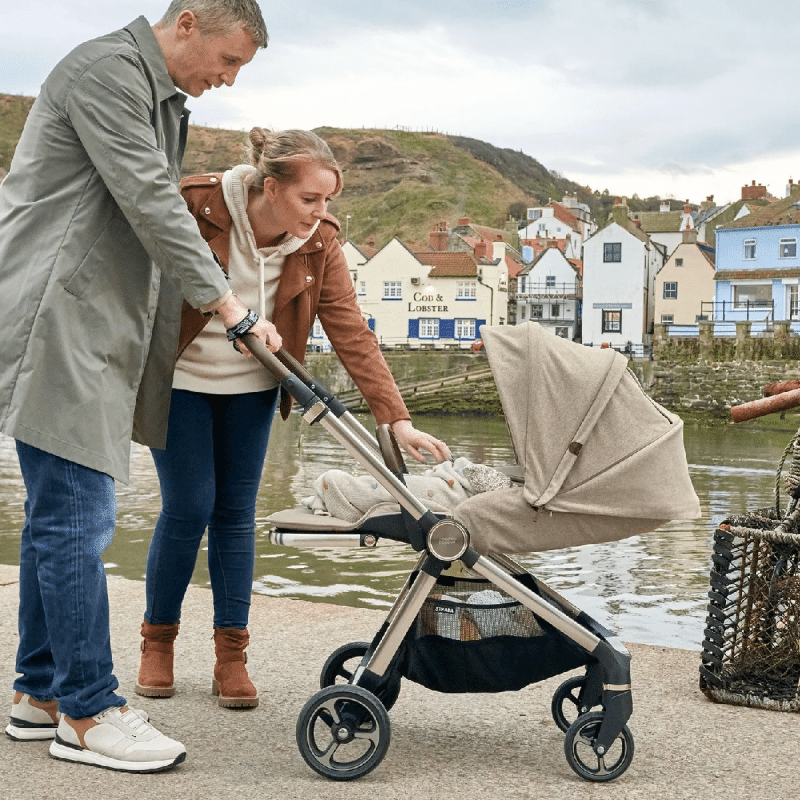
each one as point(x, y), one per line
point(444, 610)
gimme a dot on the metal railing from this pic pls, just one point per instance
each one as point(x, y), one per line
point(728, 310)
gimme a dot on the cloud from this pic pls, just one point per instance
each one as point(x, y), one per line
point(649, 91)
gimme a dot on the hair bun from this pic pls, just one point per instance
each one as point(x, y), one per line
point(259, 138)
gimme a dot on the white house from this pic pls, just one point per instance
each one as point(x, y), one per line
point(432, 299)
point(619, 267)
point(568, 220)
point(548, 292)
point(665, 226)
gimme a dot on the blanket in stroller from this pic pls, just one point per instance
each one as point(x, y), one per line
point(350, 497)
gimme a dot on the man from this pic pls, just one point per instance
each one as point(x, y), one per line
point(97, 253)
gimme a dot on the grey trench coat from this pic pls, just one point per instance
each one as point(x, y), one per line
point(97, 250)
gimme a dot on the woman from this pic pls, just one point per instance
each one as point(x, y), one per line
point(267, 223)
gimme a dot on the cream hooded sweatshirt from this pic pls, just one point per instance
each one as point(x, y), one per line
point(210, 364)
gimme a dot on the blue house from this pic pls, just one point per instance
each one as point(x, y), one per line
point(758, 266)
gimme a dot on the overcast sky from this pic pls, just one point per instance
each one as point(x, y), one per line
point(679, 99)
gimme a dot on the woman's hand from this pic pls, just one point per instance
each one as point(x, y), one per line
point(412, 441)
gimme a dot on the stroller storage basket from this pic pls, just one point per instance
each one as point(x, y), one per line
point(470, 636)
point(751, 651)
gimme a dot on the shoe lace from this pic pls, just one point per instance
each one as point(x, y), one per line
point(138, 725)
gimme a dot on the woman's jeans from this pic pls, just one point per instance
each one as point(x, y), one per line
point(209, 473)
point(64, 641)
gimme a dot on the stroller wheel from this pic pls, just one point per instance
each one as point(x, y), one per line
point(568, 704)
point(343, 732)
point(579, 750)
point(342, 664)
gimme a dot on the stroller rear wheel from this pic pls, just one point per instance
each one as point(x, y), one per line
point(342, 664)
point(343, 732)
point(581, 756)
point(568, 704)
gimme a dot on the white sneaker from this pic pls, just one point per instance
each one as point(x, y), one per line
point(120, 740)
point(30, 722)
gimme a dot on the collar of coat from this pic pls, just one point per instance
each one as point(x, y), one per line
point(205, 198)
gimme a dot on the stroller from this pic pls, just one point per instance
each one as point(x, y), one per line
point(598, 460)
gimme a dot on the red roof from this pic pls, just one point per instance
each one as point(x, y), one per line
point(449, 264)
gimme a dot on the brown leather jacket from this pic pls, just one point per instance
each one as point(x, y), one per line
point(315, 282)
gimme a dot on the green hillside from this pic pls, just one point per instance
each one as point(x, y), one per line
point(396, 183)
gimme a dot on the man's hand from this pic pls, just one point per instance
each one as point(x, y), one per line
point(233, 311)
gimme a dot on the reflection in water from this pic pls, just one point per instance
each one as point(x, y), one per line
point(649, 589)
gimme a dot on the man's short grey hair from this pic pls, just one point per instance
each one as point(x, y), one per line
point(219, 16)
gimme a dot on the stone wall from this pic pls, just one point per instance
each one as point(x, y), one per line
point(711, 374)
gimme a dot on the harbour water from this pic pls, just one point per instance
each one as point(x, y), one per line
point(650, 589)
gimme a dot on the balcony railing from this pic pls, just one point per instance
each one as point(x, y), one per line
point(728, 310)
point(529, 291)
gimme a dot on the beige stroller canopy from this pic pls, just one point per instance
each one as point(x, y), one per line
point(601, 460)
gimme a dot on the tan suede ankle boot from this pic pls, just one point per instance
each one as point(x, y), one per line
point(155, 670)
point(231, 682)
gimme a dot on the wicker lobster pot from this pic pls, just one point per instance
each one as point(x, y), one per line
point(751, 650)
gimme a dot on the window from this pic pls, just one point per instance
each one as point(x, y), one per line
point(752, 294)
point(749, 249)
point(794, 307)
point(466, 290)
point(678, 262)
point(612, 321)
point(465, 328)
point(555, 311)
point(392, 290)
point(612, 251)
point(542, 227)
point(670, 290)
point(428, 328)
point(788, 248)
point(534, 213)
point(537, 311)
point(667, 319)
point(550, 280)
point(522, 312)
point(362, 287)
point(562, 332)
point(317, 331)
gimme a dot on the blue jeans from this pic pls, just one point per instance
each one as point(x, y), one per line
point(64, 641)
point(209, 474)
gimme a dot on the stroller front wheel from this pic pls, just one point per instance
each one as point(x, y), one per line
point(581, 756)
point(343, 732)
point(569, 704)
point(342, 664)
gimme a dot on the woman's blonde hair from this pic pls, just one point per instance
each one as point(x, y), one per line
point(276, 154)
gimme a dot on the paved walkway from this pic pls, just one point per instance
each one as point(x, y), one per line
point(465, 747)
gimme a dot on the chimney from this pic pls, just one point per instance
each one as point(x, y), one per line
point(793, 189)
point(482, 249)
point(664, 207)
point(689, 235)
point(463, 222)
point(619, 212)
point(437, 238)
point(707, 203)
point(753, 192)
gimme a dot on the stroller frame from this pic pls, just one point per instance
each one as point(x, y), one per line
point(356, 713)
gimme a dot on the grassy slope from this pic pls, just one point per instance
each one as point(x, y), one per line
point(397, 183)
